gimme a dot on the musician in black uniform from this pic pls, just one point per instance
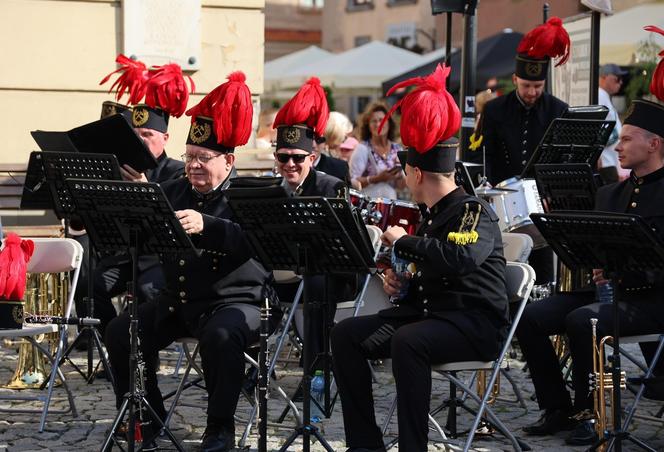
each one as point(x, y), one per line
point(640, 149)
point(455, 308)
point(297, 132)
point(150, 122)
point(513, 125)
point(214, 297)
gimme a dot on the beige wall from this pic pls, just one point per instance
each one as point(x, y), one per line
point(340, 28)
point(60, 50)
point(290, 27)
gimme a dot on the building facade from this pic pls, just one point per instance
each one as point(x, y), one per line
point(292, 25)
point(55, 53)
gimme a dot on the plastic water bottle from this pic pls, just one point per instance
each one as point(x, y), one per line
point(318, 395)
point(604, 292)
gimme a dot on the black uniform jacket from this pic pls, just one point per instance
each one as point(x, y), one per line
point(225, 271)
point(321, 184)
point(463, 283)
point(643, 196)
point(334, 167)
point(512, 132)
point(167, 169)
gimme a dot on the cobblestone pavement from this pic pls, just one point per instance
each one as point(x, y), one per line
point(96, 411)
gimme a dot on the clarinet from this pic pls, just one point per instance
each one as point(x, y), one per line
point(263, 376)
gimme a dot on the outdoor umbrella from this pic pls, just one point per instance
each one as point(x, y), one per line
point(495, 58)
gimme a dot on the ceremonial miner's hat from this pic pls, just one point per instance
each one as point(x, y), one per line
point(110, 108)
point(429, 120)
point(645, 114)
point(166, 94)
point(302, 120)
point(131, 80)
point(222, 119)
point(549, 40)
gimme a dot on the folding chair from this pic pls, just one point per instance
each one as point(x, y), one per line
point(520, 279)
point(51, 255)
point(648, 372)
point(517, 247)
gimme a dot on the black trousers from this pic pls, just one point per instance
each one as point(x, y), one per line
point(223, 337)
point(570, 314)
point(413, 345)
point(110, 279)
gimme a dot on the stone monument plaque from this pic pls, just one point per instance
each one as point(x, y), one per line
point(163, 31)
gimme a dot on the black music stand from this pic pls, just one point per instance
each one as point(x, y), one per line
point(570, 141)
point(310, 236)
point(568, 186)
point(618, 244)
point(133, 217)
point(51, 169)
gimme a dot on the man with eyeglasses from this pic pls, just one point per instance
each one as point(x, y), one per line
point(214, 295)
point(299, 123)
point(610, 82)
point(150, 122)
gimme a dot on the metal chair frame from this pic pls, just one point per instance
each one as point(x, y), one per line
point(51, 255)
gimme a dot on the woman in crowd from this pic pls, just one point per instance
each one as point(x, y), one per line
point(374, 165)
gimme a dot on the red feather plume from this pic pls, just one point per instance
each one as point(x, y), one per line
point(229, 105)
point(132, 79)
point(547, 40)
point(428, 113)
point(308, 106)
point(657, 82)
point(13, 266)
point(167, 89)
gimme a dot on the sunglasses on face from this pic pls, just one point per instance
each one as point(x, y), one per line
point(297, 158)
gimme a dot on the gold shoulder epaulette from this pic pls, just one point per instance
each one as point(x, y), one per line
point(467, 233)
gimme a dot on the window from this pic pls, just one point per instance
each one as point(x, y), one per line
point(361, 40)
point(359, 5)
point(400, 2)
point(311, 3)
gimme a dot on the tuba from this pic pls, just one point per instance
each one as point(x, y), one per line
point(601, 382)
point(45, 294)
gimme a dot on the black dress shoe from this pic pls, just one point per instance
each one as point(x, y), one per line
point(217, 439)
point(583, 434)
point(552, 421)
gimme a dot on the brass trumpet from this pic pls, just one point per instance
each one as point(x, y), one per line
point(601, 382)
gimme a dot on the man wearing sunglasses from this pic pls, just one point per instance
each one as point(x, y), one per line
point(298, 128)
point(213, 295)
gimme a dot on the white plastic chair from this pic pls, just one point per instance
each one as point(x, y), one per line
point(516, 247)
point(51, 255)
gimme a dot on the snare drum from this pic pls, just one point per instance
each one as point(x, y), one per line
point(514, 208)
point(405, 214)
point(357, 199)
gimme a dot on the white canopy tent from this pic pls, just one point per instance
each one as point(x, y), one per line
point(622, 33)
point(277, 68)
point(361, 69)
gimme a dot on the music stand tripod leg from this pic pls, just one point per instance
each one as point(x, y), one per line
point(134, 400)
point(93, 338)
point(306, 429)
